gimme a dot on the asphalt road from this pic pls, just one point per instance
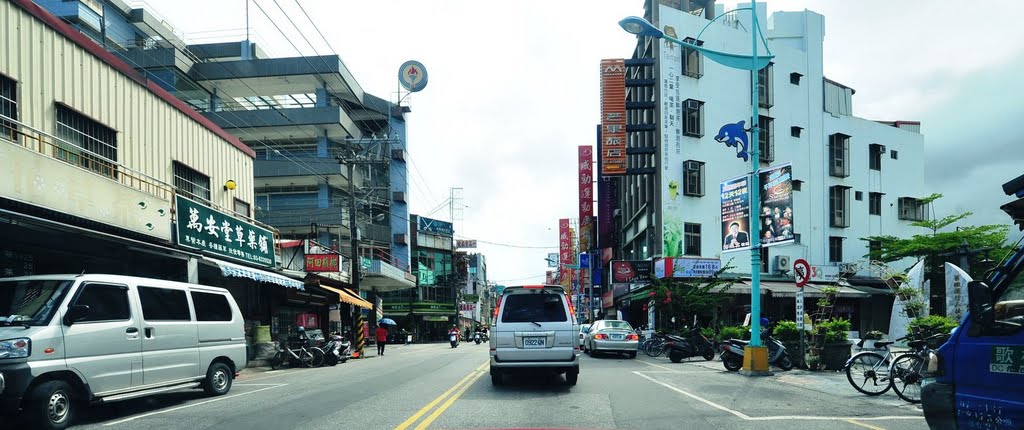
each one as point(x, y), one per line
point(434, 386)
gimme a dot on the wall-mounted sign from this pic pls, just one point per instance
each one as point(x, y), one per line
point(626, 272)
point(200, 227)
point(323, 262)
point(684, 267)
point(613, 117)
point(433, 226)
point(465, 243)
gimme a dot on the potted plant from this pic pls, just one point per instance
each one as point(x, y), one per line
point(788, 333)
point(837, 343)
point(869, 339)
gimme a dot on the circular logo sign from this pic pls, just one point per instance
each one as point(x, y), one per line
point(802, 272)
point(412, 75)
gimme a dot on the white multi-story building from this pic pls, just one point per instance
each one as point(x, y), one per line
point(853, 177)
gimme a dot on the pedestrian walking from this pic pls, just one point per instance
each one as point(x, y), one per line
point(382, 339)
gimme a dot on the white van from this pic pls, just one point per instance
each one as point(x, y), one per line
point(67, 340)
point(534, 329)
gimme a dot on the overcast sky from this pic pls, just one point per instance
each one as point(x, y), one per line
point(513, 89)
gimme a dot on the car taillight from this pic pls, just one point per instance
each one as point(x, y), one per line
point(632, 337)
point(497, 306)
point(600, 336)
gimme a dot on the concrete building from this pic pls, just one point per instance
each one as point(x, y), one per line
point(852, 177)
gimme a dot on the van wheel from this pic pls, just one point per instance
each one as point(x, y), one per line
point(572, 376)
point(50, 405)
point(218, 379)
point(496, 377)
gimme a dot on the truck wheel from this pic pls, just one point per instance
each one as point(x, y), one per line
point(50, 405)
point(218, 379)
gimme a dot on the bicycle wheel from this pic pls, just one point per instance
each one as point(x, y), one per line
point(648, 347)
point(317, 359)
point(277, 361)
point(868, 372)
point(906, 377)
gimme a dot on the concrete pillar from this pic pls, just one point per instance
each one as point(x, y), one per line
point(321, 96)
point(322, 146)
point(709, 9)
point(215, 103)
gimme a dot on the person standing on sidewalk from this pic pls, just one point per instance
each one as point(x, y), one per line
point(382, 339)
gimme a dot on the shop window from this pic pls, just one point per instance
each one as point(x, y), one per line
point(85, 142)
point(163, 304)
point(190, 183)
point(105, 302)
point(8, 108)
point(211, 307)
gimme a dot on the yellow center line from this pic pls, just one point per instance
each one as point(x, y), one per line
point(430, 419)
point(476, 372)
point(855, 422)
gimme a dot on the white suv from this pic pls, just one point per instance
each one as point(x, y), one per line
point(534, 328)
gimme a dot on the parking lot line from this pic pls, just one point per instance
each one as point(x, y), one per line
point(217, 399)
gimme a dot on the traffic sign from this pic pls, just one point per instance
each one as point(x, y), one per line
point(412, 75)
point(802, 272)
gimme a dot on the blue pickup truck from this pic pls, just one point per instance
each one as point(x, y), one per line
point(976, 379)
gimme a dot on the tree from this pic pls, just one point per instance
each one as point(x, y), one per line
point(685, 298)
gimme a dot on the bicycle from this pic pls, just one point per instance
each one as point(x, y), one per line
point(655, 346)
point(908, 367)
point(875, 368)
point(296, 351)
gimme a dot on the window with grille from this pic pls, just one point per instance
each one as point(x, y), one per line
point(766, 139)
point(835, 249)
point(839, 155)
point(693, 178)
point(8, 107)
point(875, 152)
point(875, 203)
point(190, 183)
point(242, 208)
point(85, 142)
point(838, 206)
point(765, 98)
point(693, 118)
point(693, 61)
point(691, 239)
point(911, 209)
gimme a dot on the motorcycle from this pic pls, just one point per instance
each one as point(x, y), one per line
point(732, 353)
point(336, 350)
point(454, 339)
point(692, 346)
point(477, 338)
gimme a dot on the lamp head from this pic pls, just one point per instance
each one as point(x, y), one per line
point(639, 26)
point(230, 185)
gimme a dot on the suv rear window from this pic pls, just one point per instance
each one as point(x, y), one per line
point(520, 308)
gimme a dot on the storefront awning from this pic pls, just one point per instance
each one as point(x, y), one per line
point(788, 289)
point(347, 296)
point(239, 271)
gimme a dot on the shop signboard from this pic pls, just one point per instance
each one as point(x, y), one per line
point(465, 243)
point(435, 318)
point(586, 196)
point(202, 228)
point(686, 267)
point(323, 262)
point(620, 289)
point(433, 226)
point(564, 249)
point(613, 117)
point(636, 271)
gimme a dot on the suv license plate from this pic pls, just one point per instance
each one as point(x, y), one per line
point(533, 342)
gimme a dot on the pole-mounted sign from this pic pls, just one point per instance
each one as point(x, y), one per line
point(412, 75)
point(801, 272)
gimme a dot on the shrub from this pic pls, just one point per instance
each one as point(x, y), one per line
point(874, 335)
point(731, 333)
point(835, 331)
point(908, 293)
point(708, 332)
point(786, 331)
point(830, 290)
point(933, 324)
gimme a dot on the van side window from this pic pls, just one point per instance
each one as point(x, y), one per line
point(105, 302)
point(211, 307)
point(164, 304)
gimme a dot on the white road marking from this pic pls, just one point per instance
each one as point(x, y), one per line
point(217, 399)
point(677, 371)
point(746, 417)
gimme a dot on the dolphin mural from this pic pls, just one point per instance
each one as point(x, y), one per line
point(735, 136)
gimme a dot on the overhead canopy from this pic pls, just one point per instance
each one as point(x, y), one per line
point(346, 295)
point(239, 271)
point(788, 289)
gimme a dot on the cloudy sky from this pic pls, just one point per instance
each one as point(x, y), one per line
point(513, 90)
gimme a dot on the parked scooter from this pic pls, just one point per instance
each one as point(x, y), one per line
point(477, 337)
point(732, 351)
point(337, 350)
point(694, 345)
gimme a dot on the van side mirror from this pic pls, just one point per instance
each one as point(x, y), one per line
point(75, 313)
point(979, 302)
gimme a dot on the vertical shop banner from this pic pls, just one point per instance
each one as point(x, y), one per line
point(613, 117)
point(565, 251)
point(776, 205)
point(735, 194)
point(586, 196)
point(671, 146)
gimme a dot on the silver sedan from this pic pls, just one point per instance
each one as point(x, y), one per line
point(611, 336)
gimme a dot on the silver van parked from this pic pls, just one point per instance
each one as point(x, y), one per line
point(534, 328)
point(67, 341)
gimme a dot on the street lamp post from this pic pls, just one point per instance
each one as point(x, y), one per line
point(756, 355)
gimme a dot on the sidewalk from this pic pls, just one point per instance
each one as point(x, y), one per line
point(255, 367)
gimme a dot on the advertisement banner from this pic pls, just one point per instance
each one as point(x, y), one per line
point(323, 262)
point(433, 226)
point(627, 272)
point(200, 227)
point(735, 195)
point(776, 205)
point(613, 117)
point(686, 267)
point(586, 195)
point(607, 298)
point(565, 251)
point(671, 145)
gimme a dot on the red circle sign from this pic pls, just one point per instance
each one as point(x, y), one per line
point(802, 272)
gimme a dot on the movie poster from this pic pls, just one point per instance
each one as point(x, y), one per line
point(735, 214)
point(776, 213)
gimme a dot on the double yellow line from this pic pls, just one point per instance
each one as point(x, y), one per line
point(458, 389)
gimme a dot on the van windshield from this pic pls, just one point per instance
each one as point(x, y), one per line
point(30, 302)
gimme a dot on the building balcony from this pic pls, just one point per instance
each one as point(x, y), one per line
point(279, 123)
point(301, 172)
point(286, 219)
point(48, 172)
point(296, 75)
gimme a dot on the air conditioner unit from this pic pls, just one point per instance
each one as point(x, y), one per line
point(838, 220)
point(691, 165)
point(848, 268)
point(692, 104)
point(783, 264)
